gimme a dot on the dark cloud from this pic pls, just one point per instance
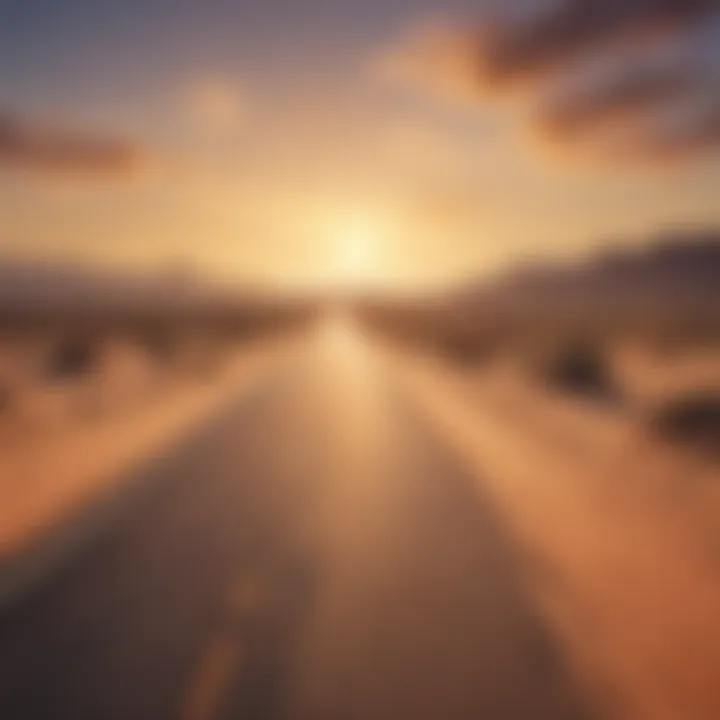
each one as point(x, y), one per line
point(546, 49)
point(38, 147)
point(623, 97)
point(587, 68)
point(552, 41)
point(697, 133)
point(436, 59)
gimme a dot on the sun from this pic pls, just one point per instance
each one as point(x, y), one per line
point(357, 255)
point(359, 252)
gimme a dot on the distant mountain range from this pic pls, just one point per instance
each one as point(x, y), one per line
point(677, 269)
point(38, 285)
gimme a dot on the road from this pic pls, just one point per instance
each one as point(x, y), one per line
point(315, 553)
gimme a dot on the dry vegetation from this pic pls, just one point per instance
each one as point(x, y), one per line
point(662, 369)
point(57, 369)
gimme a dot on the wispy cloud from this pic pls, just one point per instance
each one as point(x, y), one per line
point(46, 148)
point(214, 103)
point(551, 57)
point(550, 42)
point(620, 97)
point(431, 57)
point(692, 133)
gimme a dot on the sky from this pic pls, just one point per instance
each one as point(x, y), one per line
point(394, 143)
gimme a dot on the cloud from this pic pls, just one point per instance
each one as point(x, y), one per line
point(44, 148)
point(622, 97)
point(434, 58)
point(214, 104)
point(563, 62)
point(551, 42)
point(691, 135)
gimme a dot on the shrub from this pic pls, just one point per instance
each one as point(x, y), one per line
point(162, 347)
point(579, 368)
point(73, 358)
point(465, 349)
point(693, 419)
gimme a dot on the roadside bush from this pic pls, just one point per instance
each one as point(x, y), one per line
point(73, 358)
point(579, 368)
point(690, 419)
point(162, 347)
point(465, 349)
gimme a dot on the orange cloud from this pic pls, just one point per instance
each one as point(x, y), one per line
point(536, 56)
point(432, 57)
point(214, 103)
point(694, 134)
point(42, 148)
point(552, 41)
point(620, 98)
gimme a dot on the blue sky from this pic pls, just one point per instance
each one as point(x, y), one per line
point(74, 50)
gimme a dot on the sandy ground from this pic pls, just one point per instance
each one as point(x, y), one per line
point(651, 376)
point(620, 535)
point(67, 458)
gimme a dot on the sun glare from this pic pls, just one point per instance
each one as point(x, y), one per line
point(359, 246)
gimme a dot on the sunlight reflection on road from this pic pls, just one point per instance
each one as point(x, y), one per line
point(356, 426)
point(350, 369)
point(342, 338)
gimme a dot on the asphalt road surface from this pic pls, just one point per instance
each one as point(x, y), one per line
point(314, 554)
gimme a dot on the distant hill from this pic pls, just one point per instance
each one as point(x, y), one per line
point(42, 296)
point(669, 287)
point(676, 270)
point(30, 285)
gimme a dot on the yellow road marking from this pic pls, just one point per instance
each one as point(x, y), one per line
point(219, 666)
point(222, 661)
